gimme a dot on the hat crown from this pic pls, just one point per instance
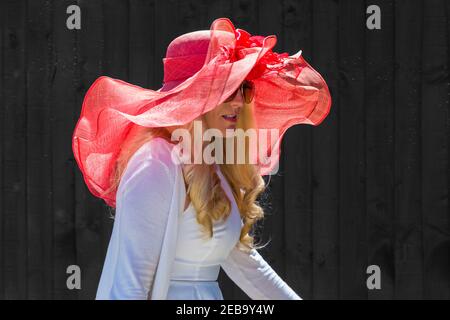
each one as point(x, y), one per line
point(187, 44)
point(185, 56)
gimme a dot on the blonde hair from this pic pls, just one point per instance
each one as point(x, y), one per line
point(203, 184)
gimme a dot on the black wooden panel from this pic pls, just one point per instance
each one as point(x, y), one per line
point(297, 174)
point(64, 99)
point(434, 133)
point(93, 225)
point(14, 152)
point(2, 152)
point(408, 196)
point(379, 108)
point(325, 147)
point(351, 106)
point(367, 186)
point(41, 69)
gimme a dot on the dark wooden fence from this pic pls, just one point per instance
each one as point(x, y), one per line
point(369, 186)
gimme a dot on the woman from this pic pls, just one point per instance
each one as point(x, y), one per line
point(179, 220)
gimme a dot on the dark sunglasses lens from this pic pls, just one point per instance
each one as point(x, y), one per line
point(247, 92)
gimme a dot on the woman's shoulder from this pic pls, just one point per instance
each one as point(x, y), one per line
point(151, 164)
point(156, 149)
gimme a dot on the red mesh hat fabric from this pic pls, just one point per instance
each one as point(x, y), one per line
point(201, 69)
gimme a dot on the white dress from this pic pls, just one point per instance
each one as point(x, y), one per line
point(138, 256)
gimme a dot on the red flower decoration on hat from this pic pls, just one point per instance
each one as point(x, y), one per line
point(268, 62)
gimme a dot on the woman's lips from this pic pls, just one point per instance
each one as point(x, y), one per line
point(230, 117)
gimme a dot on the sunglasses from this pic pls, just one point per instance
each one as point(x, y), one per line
point(247, 90)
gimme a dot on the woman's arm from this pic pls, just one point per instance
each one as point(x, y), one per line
point(256, 277)
point(143, 202)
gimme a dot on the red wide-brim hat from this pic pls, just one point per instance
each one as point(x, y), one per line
point(201, 69)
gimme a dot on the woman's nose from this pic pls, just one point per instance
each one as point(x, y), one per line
point(237, 102)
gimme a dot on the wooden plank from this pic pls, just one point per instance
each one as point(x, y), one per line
point(116, 30)
point(351, 104)
point(218, 9)
point(192, 15)
point(244, 14)
point(63, 100)
point(325, 144)
point(40, 70)
point(408, 196)
point(14, 210)
point(434, 115)
point(448, 116)
point(2, 152)
point(93, 225)
point(164, 33)
point(142, 42)
point(380, 149)
point(296, 247)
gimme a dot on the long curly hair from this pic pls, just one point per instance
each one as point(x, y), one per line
point(203, 184)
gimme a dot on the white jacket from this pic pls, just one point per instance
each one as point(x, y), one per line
point(144, 238)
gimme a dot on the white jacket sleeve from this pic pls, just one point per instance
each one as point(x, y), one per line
point(142, 207)
point(256, 277)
